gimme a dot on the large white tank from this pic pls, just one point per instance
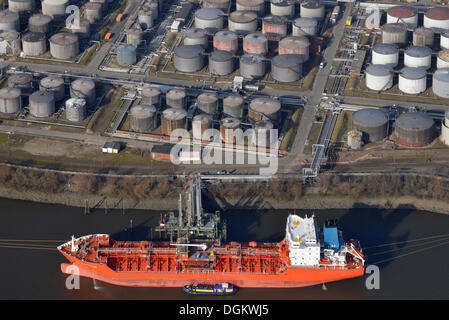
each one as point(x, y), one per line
point(440, 83)
point(403, 14)
point(443, 59)
point(445, 129)
point(412, 80)
point(379, 77)
point(385, 53)
point(444, 41)
point(418, 56)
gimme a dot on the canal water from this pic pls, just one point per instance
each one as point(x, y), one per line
point(408, 269)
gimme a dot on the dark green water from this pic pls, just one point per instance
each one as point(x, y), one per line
point(35, 274)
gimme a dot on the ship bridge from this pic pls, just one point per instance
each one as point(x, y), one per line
point(303, 241)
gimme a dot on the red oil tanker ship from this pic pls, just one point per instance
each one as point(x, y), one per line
point(304, 257)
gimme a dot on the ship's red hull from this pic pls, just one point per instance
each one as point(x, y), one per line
point(292, 277)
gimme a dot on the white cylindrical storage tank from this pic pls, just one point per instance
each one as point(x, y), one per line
point(295, 45)
point(242, 22)
point(403, 14)
point(143, 118)
point(134, 37)
point(21, 5)
point(218, 4)
point(385, 53)
point(75, 109)
point(252, 66)
point(93, 11)
point(42, 104)
point(176, 98)
point(221, 63)
point(229, 130)
point(394, 33)
point(9, 20)
point(189, 58)
point(10, 100)
point(145, 18)
point(151, 95)
point(437, 18)
point(209, 18)
point(196, 36)
point(55, 8)
point(10, 42)
point(412, 80)
point(24, 82)
point(226, 41)
point(286, 67)
point(84, 89)
point(312, 9)
point(200, 123)
point(34, 44)
point(284, 8)
point(39, 23)
point(417, 57)
point(257, 6)
point(264, 109)
point(126, 55)
point(255, 43)
point(152, 6)
point(445, 129)
point(64, 45)
point(233, 106)
point(55, 85)
point(379, 77)
point(444, 41)
point(207, 102)
point(305, 27)
point(440, 83)
point(443, 59)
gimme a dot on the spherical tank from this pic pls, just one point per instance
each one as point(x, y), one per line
point(200, 123)
point(312, 9)
point(54, 84)
point(443, 59)
point(93, 11)
point(305, 26)
point(172, 119)
point(42, 104)
point(176, 98)
point(134, 36)
point(34, 44)
point(233, 106)
point(227, 129)
point(257, 6)
point(64, 45)
point(209, 18)
point(75, 109)
point(412, 80)
point(274, 26)
point(385, 53)
point(414, 129)
point(252, 66)
point(379, 77)
point(145, 18)
point(264, 109)
point(143, 118)
point(151, 95)
point(373, 123)
point(21, 5)
point(284, 8)
point(126, 55)
point(39, 23)
point(189, 58)
point(10, 42)
point(417, 57)
point(9, 20)
point(22, 81)
point(255, 43)
point(221, 63)
point(10, 100)
point(440, 83)
point(226, 41)
point(84, 89)
point(208, 102)
point(437, 18)
point(286, 67)
point(196, 36)
point(394, 33)
point(295, 45)
point(403, 14)
point(444, 41)
point(423, 37)
point(54, 8)
point(218, 4)
point(242, 22)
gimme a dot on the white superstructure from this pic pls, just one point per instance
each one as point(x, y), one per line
point(302, 237)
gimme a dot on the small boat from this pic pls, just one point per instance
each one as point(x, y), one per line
point(221, 289)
